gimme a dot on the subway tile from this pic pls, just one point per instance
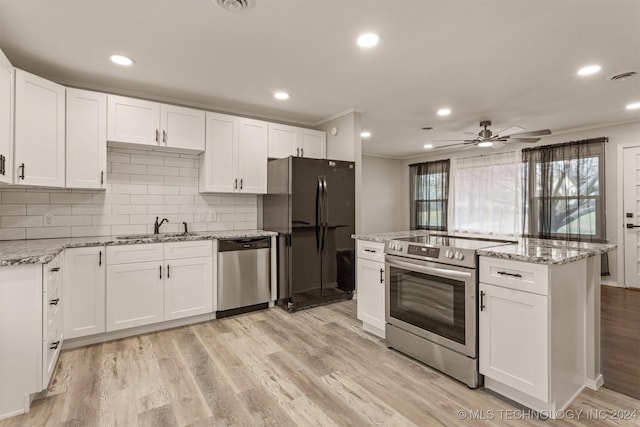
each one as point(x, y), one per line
point(231, 217)
point(220, 226)
point(188, 189)
point(12, 233)
point(163, 189)
point(21, 221)
point(48, 232)
point(146, 179)
point(128, 209)
point(179, 162)
point(10, 197)
point(147, 160)
point(178, 200)
point(192, 209)
point(188, 172)
point(164, 171)
point(142, 219)
point(148, 199)
point(117, 199)
point(232, 199)
point(248, 225)
point(129, 168)
point(179, 180)
point(99, 198)
point(90, 209)
point(163, 209)
point(109, 219)
point(118, 230)
point(91, 230)
point(118, 178)
point(129, 188)
point(116, 157)
point(245, 209)
point(72, 198)
point(70, 220)
point(15, 209)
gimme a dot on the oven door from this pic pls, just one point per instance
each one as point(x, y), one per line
point(434, 301)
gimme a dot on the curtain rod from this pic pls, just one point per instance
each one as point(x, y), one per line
point(425, 163)
point(602, 139)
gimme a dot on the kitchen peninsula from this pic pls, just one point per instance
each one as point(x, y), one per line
point(537, 308)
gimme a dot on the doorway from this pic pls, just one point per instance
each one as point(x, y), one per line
point(631, 216)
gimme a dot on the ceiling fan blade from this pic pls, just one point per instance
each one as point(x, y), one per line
point(540, 132)
point(455, 145)
point(471, 133)
point(511, 130)
point(450, 140)
point(524, 139)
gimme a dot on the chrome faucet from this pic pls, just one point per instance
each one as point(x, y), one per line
point(156, 226)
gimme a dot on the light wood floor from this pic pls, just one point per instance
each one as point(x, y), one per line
point(621, 340)
point(313, 367)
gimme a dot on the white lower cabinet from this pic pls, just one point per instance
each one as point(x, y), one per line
point(188, 289)
point(151, 283)
point(135, 295)
point(370, 277)
point(532, 325)
point(84, 287)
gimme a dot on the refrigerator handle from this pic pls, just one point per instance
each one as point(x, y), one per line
point(325, 211)
point(318, 213)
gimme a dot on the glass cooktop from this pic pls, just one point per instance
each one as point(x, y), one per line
point(455, 241)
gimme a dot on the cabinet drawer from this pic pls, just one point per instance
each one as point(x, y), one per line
point(373, 251)
point(51, 273)
point(127, 254)
point(177, 250)
point(518, 275)
point(51, 346)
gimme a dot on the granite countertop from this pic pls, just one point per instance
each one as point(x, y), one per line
point(41, 251)
point(539, 251)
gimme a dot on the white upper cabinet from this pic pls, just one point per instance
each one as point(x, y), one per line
point(6, 119)
point(39, 131)
point(86, 139)
point(285, 141)
point(235, 158)
point(182, 127)
point(136, 121)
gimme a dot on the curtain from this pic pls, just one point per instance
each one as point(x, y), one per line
point(429, 186)
point(564, 198)
point(487, 194)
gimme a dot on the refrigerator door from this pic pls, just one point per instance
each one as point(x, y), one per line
point(305, 267)
point(338, 254)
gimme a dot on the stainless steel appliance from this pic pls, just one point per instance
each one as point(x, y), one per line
point(311, 204)
point(243, 275)
point(431, 310)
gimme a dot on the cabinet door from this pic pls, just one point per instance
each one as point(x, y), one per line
point(313, 144)
point(133, 120)
point(6, 120)
point(218, 164)
point(283, 141)
point(514, 340)
point(86, 139)
point(182, 127)
point(135, 295)
point(39, 131)
point(370, 276)
point(84, 291)
point(188, 287)
point(252, 156)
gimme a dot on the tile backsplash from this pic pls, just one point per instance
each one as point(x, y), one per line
point(141, 184)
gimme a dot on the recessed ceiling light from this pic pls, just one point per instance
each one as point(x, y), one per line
point(121, 60)
point(428, 146)
point(281, 95)
point(368, 40)
point(365, 134)
point(633, 106)
point(588, 70)
point(485, 144)
point(444, 111)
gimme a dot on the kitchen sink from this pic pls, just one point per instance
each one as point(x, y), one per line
point(154, 236)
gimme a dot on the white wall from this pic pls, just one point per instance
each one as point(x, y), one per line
point(627, 133)
point(382, 195)
point(141, 184)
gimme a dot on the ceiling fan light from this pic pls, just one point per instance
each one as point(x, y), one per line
point(484, 144)
point(444, 112)
point(588, 70)
point(428, 146)
point(633, 106)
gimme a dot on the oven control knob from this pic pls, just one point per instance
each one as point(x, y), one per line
point(449, 254)
point(459, 255)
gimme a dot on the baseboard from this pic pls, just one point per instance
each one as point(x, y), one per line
point(612, 284)
point(595, 384)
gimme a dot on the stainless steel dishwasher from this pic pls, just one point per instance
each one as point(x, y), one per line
point(244, 275)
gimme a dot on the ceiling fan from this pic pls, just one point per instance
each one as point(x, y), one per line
point(486, 138)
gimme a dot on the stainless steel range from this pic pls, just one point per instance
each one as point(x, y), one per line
point(431, 310)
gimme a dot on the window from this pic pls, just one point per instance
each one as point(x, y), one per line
point(429, 195)
point(564, 191)
point(487, 194)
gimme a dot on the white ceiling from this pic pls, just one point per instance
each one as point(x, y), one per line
point(512, 62)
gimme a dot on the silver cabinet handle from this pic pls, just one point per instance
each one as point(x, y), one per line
point(241, 183)
point(101, 177)
point(164, 136)
point(21, 167)
point(3, 170)
point(235, 184)
point(157, 135)
point(168, 271)
point(381, 275)
point(482, 306)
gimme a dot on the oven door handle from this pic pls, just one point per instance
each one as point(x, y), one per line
point(429, 270)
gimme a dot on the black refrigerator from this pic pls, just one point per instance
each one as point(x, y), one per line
point(311, 204)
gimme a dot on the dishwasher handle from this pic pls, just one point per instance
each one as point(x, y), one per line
point(245, 244)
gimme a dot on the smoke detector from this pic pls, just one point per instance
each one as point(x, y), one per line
point(236, 5)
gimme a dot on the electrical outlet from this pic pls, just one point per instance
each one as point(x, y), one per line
point(212, 216)
point(202, 216)
point(48, 219)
